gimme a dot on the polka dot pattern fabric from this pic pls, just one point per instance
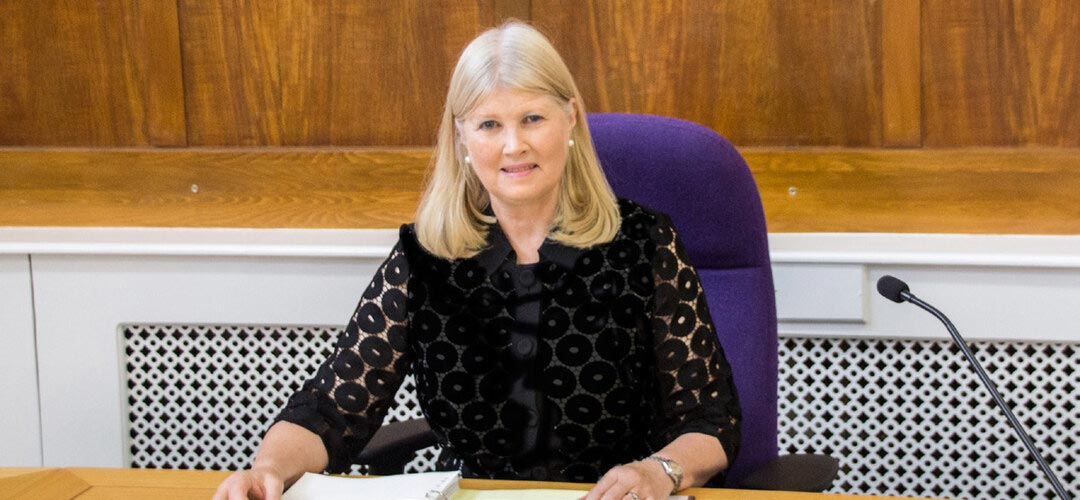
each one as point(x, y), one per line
point(626, 349)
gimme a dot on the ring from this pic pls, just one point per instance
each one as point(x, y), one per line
point(633, 495)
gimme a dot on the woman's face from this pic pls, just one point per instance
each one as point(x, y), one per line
point(518, 142)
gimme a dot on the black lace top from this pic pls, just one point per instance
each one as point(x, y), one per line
point(553, 371)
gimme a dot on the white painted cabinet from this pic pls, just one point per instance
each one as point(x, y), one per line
point(63, 377)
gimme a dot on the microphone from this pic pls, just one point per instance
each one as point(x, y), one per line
point(897, 291)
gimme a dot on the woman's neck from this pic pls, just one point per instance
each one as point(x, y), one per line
point(526, 228)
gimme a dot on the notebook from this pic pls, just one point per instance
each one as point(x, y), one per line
point(531, 495)
point(423, 486)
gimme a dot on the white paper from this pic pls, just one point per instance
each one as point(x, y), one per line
point(400, 487)
point(414, 487)
point(519, 495)
point(467, 494)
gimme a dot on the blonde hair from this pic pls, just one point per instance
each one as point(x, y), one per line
point(450, 221)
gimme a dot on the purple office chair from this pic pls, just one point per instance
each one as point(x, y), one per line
point(698, 178)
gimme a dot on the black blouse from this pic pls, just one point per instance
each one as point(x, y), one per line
point(553, 371)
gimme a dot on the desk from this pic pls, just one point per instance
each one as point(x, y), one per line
point(120, 484)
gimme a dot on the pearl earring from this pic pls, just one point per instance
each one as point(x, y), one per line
point(571, 143)
point(468, 161)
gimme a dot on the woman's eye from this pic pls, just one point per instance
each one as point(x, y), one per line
point(488, 124)
point(533, 118)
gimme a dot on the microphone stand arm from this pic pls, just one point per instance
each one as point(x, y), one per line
point(993, 391)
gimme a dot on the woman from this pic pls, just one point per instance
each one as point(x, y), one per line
point(556, 332)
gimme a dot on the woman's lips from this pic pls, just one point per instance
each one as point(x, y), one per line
point(519, 170)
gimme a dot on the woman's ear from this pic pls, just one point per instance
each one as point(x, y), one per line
point(459, 138)
point(573, 112)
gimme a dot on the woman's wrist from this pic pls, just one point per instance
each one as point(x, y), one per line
point(288, 451)
point(671, 470)
point(656, 474)
point(274, 469)
point(268, 466)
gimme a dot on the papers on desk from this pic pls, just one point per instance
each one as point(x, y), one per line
point(518, 495)
point(424, 486)
point(531, 495)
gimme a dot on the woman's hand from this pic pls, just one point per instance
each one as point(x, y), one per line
point(286, 452)
point(645, 478)
point(259, 482)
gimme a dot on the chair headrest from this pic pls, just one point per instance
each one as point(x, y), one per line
point(691, 173)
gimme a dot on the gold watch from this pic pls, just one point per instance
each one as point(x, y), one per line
point(672, 469)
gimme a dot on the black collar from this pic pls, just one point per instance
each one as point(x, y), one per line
point(499, 251)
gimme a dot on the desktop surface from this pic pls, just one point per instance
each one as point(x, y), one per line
point(121, 484)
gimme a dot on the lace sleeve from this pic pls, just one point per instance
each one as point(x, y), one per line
point(696, 384)
point(351, 392)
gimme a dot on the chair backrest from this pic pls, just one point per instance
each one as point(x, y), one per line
point(698, 178)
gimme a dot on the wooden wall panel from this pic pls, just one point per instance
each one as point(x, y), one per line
point(321, 72)
point(776, 72)
point(901, 81)
point(509, 9)
point(981, 191)
point(211, 188)
point(936, 73)
point(1001, 72)
point(970, 190)
point(940, 74)
point(105, 73)
point(1056, 76)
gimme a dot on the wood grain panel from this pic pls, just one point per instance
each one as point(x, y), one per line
point(510, 9)
point(1054, 37)
point(1002, 73)
point(321, 72)
point(43, 484)
point(100, 74)
point(123, 484)
point(979, 191)
point(14, 472)
point(901, 82)
point(139, 478)
point(764, 73)
point(198, 188)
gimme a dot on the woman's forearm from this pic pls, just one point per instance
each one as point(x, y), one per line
point(700, 456)
point(291, 450)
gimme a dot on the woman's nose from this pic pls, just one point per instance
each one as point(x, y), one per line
point(515, 144)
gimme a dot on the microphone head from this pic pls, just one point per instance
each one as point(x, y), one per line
point(891, 288)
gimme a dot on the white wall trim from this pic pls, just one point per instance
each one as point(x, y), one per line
point(1055, 251)
point(197, 241)
point(995, 250)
